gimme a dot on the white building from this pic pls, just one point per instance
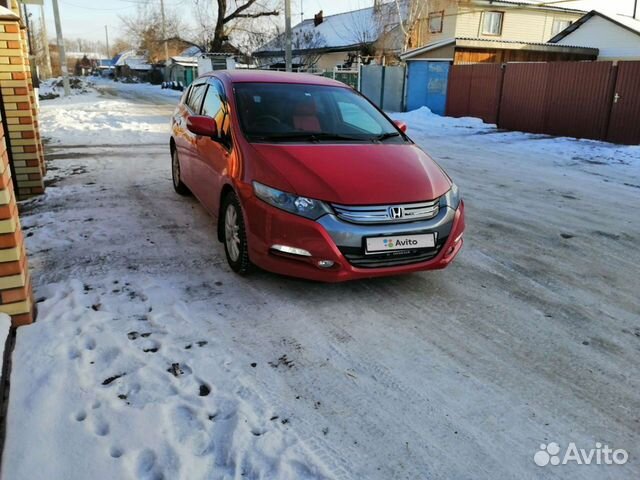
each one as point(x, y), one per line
point(616, 36)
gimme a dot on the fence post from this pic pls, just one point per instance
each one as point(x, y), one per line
point(384, 69)
point(503, 68)
point(613, 80)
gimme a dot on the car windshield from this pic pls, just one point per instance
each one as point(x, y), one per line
point(284, 112)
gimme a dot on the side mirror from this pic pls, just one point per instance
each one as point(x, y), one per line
point(401, 125)
point(202, 125)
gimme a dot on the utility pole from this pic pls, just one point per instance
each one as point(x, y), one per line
point(45, 43)
point(287, 35)
point(164, 36)
point(63, 56)
point(635, 8)
point(106, 34)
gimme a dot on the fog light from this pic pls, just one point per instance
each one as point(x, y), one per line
point(325, 263)
point(291, 250)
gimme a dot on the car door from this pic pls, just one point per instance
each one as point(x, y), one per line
point(214, 153)
point(186, 141)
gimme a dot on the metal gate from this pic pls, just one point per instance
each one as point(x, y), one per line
point(427, 85)
point(474, 91)
point(383, 85)
point(624, 124)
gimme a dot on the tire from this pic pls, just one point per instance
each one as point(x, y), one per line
point(235, 235)
point(178, 186)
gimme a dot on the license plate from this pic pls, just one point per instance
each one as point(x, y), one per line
point(400, 242)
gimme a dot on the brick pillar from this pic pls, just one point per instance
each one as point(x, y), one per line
point(15, 282)
point(20, 104)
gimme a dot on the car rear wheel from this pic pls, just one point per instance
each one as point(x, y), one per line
point(178, 186)
point(235, 236)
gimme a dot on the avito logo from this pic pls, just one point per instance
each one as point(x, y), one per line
point(406, 242)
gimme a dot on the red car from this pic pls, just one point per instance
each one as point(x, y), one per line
point(306, 177)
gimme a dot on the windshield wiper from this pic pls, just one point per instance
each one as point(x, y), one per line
point(382, 137)
point(308, 136)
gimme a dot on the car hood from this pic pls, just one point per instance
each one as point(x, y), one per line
point(367, 174)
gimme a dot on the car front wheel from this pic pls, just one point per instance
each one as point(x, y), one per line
point(235, 236)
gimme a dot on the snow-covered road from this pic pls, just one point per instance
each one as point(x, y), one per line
point(150, 359)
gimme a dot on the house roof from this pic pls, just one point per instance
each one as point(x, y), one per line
point(185, 61)
point(339, 32)
point(534, 3)
point(622, 21)
point(467, 42)
point(132, 60)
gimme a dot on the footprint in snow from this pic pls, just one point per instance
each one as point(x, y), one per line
point(116, 452)
point(101, 428)
point(90, 343)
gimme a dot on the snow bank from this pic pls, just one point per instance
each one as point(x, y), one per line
point(99, 117)
point(424, 124)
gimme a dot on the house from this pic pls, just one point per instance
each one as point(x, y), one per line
point(493, 31)
point(617, 37)
point(322, 43)
point(131, 64)
point(183, 67)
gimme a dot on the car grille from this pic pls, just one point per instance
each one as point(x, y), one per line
point(356, 256)
point(375, 214)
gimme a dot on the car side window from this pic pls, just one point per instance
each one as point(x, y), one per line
point(195, 98)
point(215, 106)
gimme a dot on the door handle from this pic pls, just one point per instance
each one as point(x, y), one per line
point(616, 97)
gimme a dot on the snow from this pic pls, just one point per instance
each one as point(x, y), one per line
point(151, 359)
point(90, 118)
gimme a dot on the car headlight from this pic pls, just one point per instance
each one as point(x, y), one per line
point(451, 199)
point(303, 206)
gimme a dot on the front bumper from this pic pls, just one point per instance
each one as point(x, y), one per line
point(342, 243)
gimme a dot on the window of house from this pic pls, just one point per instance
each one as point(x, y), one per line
point(435, 22)
point(559, 25)
point(492, 23)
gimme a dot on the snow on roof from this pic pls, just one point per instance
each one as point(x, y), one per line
point(185, 61)
point(8, 14)
point(91, 55)
point(132, 60)
point(340, 30)
point(190, 52)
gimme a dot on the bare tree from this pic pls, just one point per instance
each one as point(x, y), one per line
point(144, 30)
point(225, 19)
point(410, 13)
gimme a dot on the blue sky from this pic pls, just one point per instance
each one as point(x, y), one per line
point(86, 18)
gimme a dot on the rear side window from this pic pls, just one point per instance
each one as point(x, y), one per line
point(195, 98)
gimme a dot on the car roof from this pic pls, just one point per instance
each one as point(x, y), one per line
point(269, 76)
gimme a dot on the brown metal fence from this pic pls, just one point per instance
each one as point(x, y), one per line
point(624, 123)
point(474, 91)
point(578, 99)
